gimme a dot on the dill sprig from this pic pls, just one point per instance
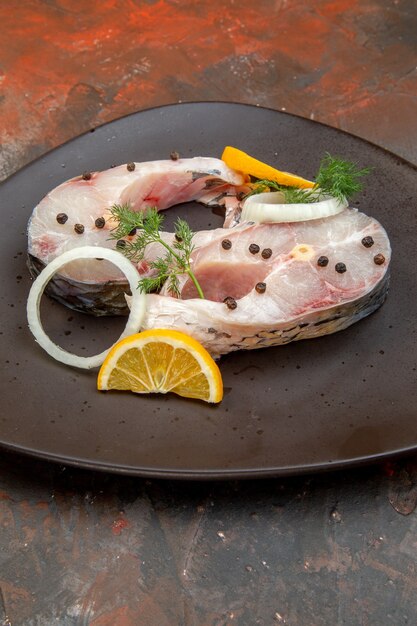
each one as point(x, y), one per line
point(147, 226)
point(290, 195)
point(336, 177)
point(339, 178)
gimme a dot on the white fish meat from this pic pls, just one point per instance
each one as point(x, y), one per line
point(77, 213)
point(264, 284)
point(275, 283)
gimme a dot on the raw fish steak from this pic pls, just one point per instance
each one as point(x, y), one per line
point(264, 284)
point(76, 213)
point(269, 284)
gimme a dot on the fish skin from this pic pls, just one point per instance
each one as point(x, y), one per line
point(200, 322)
point(98, 299)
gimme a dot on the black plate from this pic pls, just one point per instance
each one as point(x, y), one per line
point(311, 405)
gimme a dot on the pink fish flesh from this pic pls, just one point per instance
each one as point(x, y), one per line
point(286, 295)
point(83, 204)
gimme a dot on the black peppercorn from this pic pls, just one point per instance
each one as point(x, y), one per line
point(230, 302)
point(131, 167)
point(260, 287)
point(340, 268)
point(121, 243)
point(254, 248)
point(79, 229)
point(61, 218)
point(266, 253)
point(368, 242)
point(226, 244)
point(86, 176)
point(322, 261)
point(174, 156)
point(132, 232)
point(379, 259)
point(100, 222)
point(178, 238)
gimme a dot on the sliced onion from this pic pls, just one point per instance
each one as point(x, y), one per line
point(269, 207)
point(137, 304)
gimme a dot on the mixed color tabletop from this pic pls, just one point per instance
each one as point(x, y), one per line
point(80, 547)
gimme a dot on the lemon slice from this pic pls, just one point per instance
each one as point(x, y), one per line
point(239, 160)
point(159, 361)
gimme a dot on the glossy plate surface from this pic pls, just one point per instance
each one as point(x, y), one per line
point(310, 405)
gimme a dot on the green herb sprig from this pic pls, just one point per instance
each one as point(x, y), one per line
point(147, 227)
point(291, 195)
point(336, 177)
point(339, 178)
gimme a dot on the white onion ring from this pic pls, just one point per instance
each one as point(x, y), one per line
point(268, 207)
point(137, 305)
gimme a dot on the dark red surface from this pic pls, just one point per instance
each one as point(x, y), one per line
point(82, 548)
point(69, 65)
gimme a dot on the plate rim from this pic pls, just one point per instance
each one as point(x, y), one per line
point(205, 103)
point(209, 474)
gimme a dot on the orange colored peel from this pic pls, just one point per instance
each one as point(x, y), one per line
point(242, 162)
